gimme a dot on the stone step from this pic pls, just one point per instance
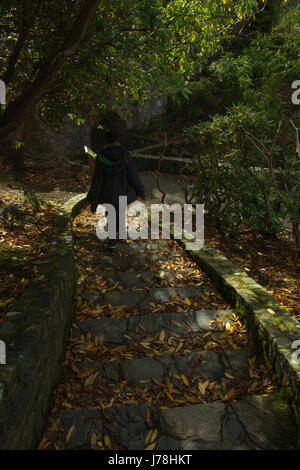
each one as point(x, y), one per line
point(125, 330)
point(146, 279)
point(118, 388)
point(141, 298)
point(130, 247)
point(138, 261)
point(254, 423)
point(205, 365)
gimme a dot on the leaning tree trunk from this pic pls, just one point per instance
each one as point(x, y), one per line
point(296, 234)
point(19, 110)
point(18, 157)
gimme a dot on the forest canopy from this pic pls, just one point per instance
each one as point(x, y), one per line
point(68, 56)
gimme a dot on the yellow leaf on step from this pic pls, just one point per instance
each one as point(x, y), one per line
point(147, 416)
point(229, 376)
point(151, 447)
point(162, 335)
point(93, 441)
point(175, 323)
point(207, 334)
point(253, 386)
point(107, 441)
point(70, 432)
point(169, 395)
point(270, 311)
point(158, 383)
point(205, 384)
point(148, 436)
point(185, 380)
point(153, 436)
point(169, 385)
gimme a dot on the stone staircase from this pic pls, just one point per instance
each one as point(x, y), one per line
point(158, 360)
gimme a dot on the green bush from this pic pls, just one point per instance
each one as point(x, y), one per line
point(248, 173)
point(204, 99)
point(261, 74)
point(233, 157)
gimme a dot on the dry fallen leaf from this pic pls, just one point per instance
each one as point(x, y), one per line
point(162, 335)
point(93, 441)
point(151, 446)
point(229, 376)
point(147, 416)
point(153, 435)
point(148, 436)
point(108, 442)
point(185, 380)
point(70, 432)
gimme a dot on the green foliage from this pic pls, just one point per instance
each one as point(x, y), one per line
point(204, 99)
point(238, 148)
point(261, 75)
point(8, 5)
point(133, 49)
point(224, 183)
point(232, 172)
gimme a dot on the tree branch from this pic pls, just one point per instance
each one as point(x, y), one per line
point(21, 107)
point(26, 22)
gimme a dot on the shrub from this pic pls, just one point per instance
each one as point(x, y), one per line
point(236, 178)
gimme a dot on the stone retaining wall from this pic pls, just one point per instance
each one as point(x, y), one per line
point(271, 327)
point(35, 332)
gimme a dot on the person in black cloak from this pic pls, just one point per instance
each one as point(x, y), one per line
point(114, 174)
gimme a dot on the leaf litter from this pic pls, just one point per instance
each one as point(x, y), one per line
point(85, 388)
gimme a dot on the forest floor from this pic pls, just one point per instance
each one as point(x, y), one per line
point(29, 201)
point(272, 263)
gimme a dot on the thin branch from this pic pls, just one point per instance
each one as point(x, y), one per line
point(297, 138)
point(252, 139)
point(26, 22)
point(158, 170)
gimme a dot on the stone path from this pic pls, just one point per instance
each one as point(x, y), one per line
point(157, 359)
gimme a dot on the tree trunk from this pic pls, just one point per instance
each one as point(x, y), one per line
point(19, 110)
point(26, 134)
point(296, 234)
